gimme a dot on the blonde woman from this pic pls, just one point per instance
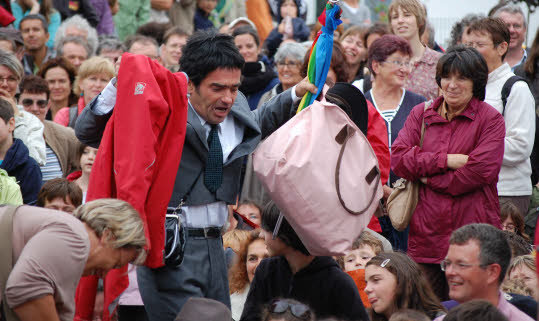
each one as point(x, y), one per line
point(94, 74)
point(524, 268)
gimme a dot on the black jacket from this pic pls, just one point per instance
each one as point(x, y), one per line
point(82, 7)
point(18, 163)
point(322, 285)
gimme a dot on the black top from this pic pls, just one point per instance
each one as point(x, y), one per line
point(322, 285)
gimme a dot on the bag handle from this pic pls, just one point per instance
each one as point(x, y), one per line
point(427, 104)
point(342, 138)
point(6, 253)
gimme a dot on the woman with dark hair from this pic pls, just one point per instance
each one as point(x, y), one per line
point(339, 70)
point(457, 160)
point(292, 272)
point(252, 251)
point(258, 76)
point(389, 64)
point(60, 76)
point(22, 8)
point(290, 26)
point(512, 220)
point(354, 50)
point(394, 282)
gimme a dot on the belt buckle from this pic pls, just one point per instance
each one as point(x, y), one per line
point(206, 230)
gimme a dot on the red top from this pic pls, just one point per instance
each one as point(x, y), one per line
point(141, 146)
point(451, 198)
point(62, 116)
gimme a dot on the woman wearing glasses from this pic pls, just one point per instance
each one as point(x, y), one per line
point(458, 163)
point(395, 282)
point(389, 63)
point(28, 128)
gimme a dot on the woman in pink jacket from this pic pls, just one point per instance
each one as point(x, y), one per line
point(457, 165)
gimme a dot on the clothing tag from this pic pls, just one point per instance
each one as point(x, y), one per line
point(139, 88)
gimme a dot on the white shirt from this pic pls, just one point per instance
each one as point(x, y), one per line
point(514, 179)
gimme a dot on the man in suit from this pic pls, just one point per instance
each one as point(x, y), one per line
point(221, 132)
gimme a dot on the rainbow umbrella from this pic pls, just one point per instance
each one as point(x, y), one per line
point(321, 50)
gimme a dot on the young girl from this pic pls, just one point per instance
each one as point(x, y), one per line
point(290, 28)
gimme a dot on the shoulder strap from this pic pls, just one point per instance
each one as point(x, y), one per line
point(6, 255)
point(506, 89)
point(73, 113)
point(427, 104)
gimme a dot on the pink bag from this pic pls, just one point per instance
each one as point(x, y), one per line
point(322, 173)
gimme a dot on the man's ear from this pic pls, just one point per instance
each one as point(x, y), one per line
point(11, 124)
point(493, 272)
point(106, 236)
point(190, 87)
point(502, 48)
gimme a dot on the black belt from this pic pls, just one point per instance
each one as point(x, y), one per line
point(207, 232)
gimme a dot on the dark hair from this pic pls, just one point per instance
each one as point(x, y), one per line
point(519, 246)
point(153, 30)
point(495, 27)
point(466, 62)
point(34, 85)
point(508, 209)
point(378, 28)
point(247, 30)
point(413, 291)
point(39, 17)
point(338, 63)
point(61, 62)
point(475, 310)
point(384, 47)
point(6, 110)
point(280, 4)
point(409, 315)
point(286, 233)
point(175, 31)
point(530, 66)
point(59, 187)
point(207, 51)
point(45, 8)
point(287, 315)
point(493, 246)
point(459, 26)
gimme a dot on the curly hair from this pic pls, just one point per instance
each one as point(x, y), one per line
point(237, 276)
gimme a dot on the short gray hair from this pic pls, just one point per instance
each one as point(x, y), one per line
point(120, 218)
point(78, 22)
point(291, 50)
point(511, 8)
point(11, 62)
point(110, 43)
point(73, 39)
point(493, 246)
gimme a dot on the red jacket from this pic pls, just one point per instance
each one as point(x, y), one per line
point(451, 198)
point(377, 136)
point(5, 16)
point(140, 150)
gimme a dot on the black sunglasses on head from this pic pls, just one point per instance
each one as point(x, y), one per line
point(41, 103)
point(298, 310)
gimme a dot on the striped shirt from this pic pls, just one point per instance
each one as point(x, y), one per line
point(52, 168)
point(388, 115)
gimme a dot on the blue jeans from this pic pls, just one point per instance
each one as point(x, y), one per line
point(203, 273)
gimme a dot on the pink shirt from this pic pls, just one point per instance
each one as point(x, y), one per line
point(422, 79)
point(62, 116)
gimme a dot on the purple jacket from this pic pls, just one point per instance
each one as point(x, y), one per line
point(451, 198)
point(106, 24)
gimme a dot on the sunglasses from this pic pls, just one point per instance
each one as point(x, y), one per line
point(41, 103)
point(298, 310)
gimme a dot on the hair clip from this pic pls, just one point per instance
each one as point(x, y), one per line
point(384, 263)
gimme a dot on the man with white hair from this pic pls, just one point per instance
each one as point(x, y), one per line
point(513, 17)
point(77, 26)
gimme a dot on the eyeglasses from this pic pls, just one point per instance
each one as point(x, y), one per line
point(298, 310)
point(41, 103)
point(445, 264)
point(478, 45)
point(508, 226)
point(398, 63)
point(10, 80)
point(289, 64)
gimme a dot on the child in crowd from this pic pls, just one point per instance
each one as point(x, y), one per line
point(15, 158)
point(87, 156)
point(60, 194)
point(363, 249)
point(290, 27)
point(512, 219)
point(250, 210)
point(202, 14)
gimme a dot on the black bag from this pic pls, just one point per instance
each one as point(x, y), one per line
point(175, 238)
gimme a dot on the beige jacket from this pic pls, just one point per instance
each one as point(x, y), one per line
point(65, 145)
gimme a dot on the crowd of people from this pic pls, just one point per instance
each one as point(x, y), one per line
point(461, 121)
